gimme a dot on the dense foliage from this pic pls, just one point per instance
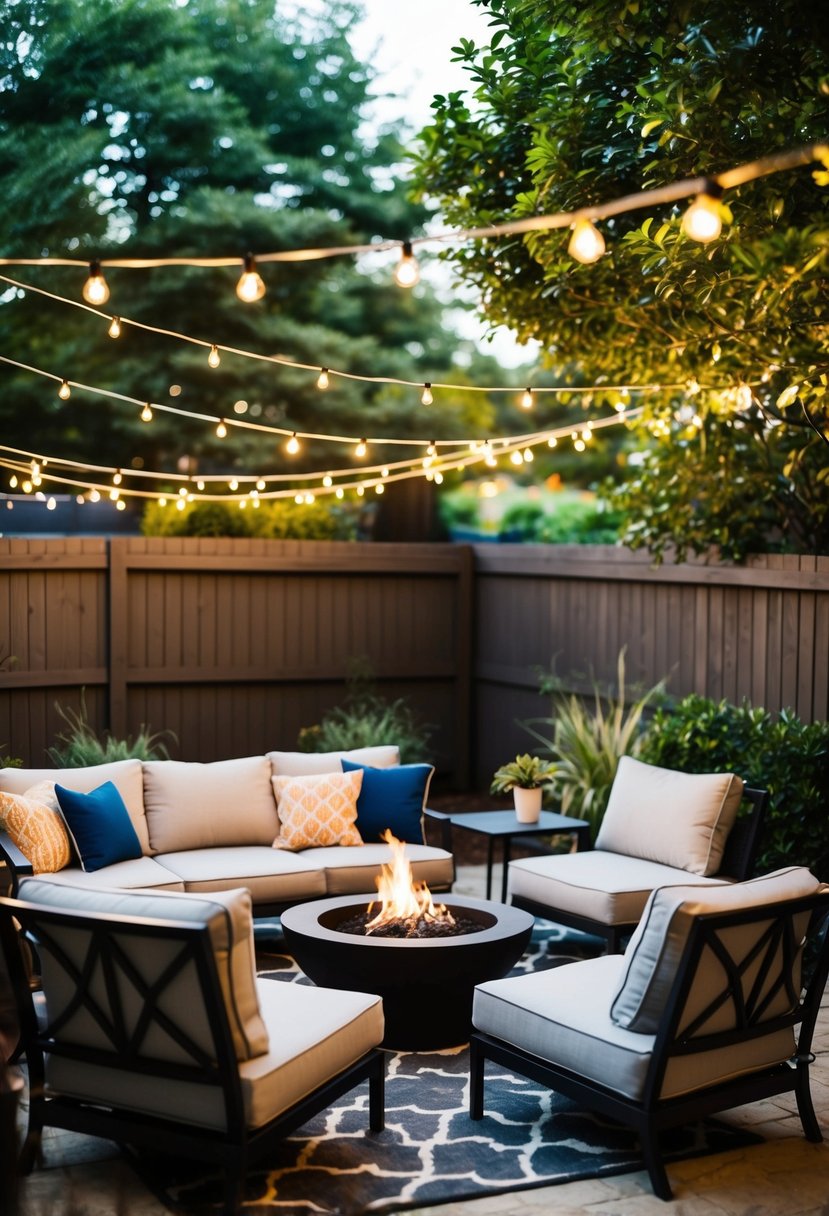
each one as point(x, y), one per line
point(78, 745)
point(573, 105)
point(279, 520)
point(366, 718)
point(777, 752)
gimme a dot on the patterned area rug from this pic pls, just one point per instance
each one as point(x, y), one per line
point(430, 1152)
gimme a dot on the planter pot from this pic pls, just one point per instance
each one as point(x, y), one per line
point(527, 804)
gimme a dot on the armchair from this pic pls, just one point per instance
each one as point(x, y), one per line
point(660, 827)
point(158, 1033)
point(697, 1016)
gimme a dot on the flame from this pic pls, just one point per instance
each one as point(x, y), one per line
point(401, 898)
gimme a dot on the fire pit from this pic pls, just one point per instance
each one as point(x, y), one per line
point(426, 981)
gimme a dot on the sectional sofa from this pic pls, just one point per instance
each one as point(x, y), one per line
point(223, 825)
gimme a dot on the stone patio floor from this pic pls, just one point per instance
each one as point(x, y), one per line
point(785, 1174)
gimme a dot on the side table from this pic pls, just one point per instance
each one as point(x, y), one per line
point(503, 825)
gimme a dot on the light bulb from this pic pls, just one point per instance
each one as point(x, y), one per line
point(360, 491)
point(407, 271)
point(80, 500)
point(527, 400)
point(221, 429)
point(214, 359)
point(702, 221)
point(94, 495)
point(95, 290)
point(233, 485)
point(587, 243)
point(117, 478)
point(587, 434)
point(516, 457)
point(64, 392)
point(114, 330)
point(309, 500)
point(432, 449)
point(298, 499)
point(13, 481)
point(199, 485)
point(147, 413)
point(120, 505)
point(292, 446)
point(438, 479)
point(328, 480)
point(162, 502)
point(260, 485)
point(427, 398)
point(50, 504)
point(579, 445)
point(361, 448)
point(322, 378)
point(379, 488)
point(115, 495)
point(384, 472)
point(340, 492)
point(529, 456)
point(26, 487)
point(180, 504)
point(250, 287)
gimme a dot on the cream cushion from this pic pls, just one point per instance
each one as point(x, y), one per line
point(202, 806)
point(654, 951)
point(677, 819)
point(271, 876)
point(352, 871)
point(229, 916)
point(138, 872)
point(317, 810)
point(34, 823)
point(125, 775)
point(563, 1015)
point(306, 764)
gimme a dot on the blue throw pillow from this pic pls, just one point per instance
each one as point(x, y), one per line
point(100, 826)
point(392, 798)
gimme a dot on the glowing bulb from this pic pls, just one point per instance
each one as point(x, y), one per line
point(214, 358)
point(407, 271)
point(298, 499)
point(94, 496)
point(361, 448)
point(221, 429)
point(50, 504)
point(528, 456)
point(587, 434)
point(233, 485)
point(427, 398)
point(431, 449)
point(527, 401)
point(95, 290)
point(516, 457)
point(117, 478)
point(360, 491)
point(384, 472)
point(36, 479)
point(587, 243)
point(13, 481)
point(328, 480)
point(579, 445)
point(26, 487)
point(379, 488)
point(438, 479)
point(114, 495)
point(243, 502)
point(147, 413)
point(80, 500)
point(240, 407)
point(199, 485)
point(260, 485)
point(120, 505)
point(340, 492)
point(703, 220)
point(322, 378)
point(309, 500)
point(64, 392)
point(114, 330)
point(250, 286)
point(292, 446)
point(180, 504)
point(162, 502)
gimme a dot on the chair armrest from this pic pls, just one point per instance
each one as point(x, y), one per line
point(445, 822)
point(18, 864)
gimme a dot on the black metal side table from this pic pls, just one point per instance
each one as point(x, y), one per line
point(504, 826)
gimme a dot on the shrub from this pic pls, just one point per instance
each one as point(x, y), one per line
point(366, 719)
point(458, 510)
point(79, 745)
point(280, 519)
point(786, 756)
point(581, 523)
point(525, 520)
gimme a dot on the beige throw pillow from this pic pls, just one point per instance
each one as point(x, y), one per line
point(317, 810)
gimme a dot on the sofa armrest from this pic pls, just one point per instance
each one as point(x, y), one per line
point(445, 822)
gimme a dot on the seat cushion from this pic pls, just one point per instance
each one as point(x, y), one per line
point(563, 1016)
point(306, 764)
point(676, 819)
point(314, 1034)
point(125, 775)
point(194, 806)
point(229, 917)
point(606, 887)
point(352, 871)
point(656, 947)
point(271, 876)
point(142, 872)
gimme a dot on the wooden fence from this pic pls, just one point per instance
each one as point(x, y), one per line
point(234, 645)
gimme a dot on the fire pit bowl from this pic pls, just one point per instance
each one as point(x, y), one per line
point(426, 983)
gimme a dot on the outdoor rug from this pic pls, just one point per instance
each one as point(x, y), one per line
point(430, 1151)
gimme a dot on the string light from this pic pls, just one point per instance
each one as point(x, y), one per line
point(221, 429)
point(552, 442)
point(322, 379)
point(379, 488)
point(432, 450)
point(260, 485)
point(407, 271)
point(527, 401)
point(293, 445)
point(361, 449)
point(703, 220)
point(328, 480)
point(586, 243)
point(250, 287)
point(516, 457)
point(114, 330)
point(427, 398)
point(147, 413)
point(64, 392)
point(13, 481)
point(214, 358)
point(95, 289)
point(528, 455)
point(117, 478)
point(232, 485)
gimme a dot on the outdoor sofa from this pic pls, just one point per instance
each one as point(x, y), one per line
point(273, 824)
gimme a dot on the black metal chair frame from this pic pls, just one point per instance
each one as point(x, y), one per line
point(652, 1114)
point(216, 1069)
point(739, 857)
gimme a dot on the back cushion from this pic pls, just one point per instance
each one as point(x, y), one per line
point(203, 806)
point(656, 947)
point(125, 775)
point(229, 916)
point(676, 819)
point(310, 764)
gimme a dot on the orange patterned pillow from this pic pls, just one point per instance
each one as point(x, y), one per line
point(317, 810)
point(36, 826)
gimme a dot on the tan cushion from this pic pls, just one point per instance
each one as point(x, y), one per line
point(193, 806)
point(352, 871)
point(34, 823)
point(655, 949)
point(271, 875)
point(138, 872)
point(318, 810)
point(305, 764)
point(125, 775)
point(229, 916)
point(677, 819)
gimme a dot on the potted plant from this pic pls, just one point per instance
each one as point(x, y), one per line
point(524, 777)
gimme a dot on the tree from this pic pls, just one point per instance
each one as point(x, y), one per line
point(153, 128)
point(574, 105)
